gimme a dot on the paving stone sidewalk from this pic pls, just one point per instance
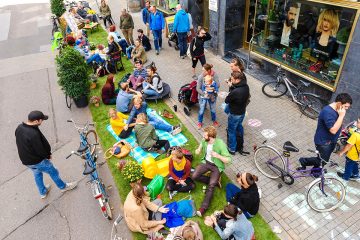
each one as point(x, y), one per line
point(285, 207)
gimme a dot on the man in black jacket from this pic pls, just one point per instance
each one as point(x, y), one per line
point(35, 153)
point(237, 100)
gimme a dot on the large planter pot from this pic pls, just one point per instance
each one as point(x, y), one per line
point(134, 5)
point(81, 102)
point(273, 26)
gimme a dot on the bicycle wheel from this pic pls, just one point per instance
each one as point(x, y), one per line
point(326, 195)
point(311, 105)
point(92, 138)
point(68, 101)
point(269, 162)
point(105, 208)
point(274, 89)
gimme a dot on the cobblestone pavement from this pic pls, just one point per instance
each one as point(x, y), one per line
point(285, 207)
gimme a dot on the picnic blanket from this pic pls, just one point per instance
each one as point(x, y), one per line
point(137, 152)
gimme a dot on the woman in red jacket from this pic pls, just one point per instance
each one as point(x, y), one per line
point(179, 171)
point(108, 93)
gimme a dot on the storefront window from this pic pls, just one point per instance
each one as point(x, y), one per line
point(167, 6)
point(309, 38)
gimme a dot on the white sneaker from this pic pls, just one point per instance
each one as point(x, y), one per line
point(176, 130)
point(172, 194)
point(48, 187)
point(69, 186)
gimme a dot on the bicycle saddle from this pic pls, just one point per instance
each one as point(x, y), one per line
point(82, 148)
point(88, 169)
point(306, 84)
point(288, 146)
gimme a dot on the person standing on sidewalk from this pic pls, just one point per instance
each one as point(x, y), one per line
point(181, 28)
point(352, 157)
point(127, 26)
point(237, 99)
point(197, 48)
point(214, 155)
point(157, 26)
point(327, 132)
point(106, 13)
point(145, 13)
point(35, 153)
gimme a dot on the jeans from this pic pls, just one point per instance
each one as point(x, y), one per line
point(351, 169)
point(128, 35)
point(182, 37)
point(157, 39)
point(149, 91)
point(231, 191)
point(325, 153)
point(123, 44)
point(109, 19)
point(235, 127)
point(226, 109)
point(161, 144)
point(173, 186)
point(202, 103)
point(136, 82)
point(159, 124)
point(95, 57)
point(46, 166)
point(211, 181)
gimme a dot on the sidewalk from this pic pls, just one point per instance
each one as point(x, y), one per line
point(285, 207)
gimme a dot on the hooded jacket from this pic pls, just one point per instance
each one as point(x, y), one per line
point(157, 21)
point(181, 22)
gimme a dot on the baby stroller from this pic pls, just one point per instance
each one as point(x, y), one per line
point(189, 96)
point(173, 41)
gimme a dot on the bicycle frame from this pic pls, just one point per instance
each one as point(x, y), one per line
point(288, 83)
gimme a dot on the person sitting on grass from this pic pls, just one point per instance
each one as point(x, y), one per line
point(352, 157)
point(140, 214)
point(117, 121)
point(89, 57)
point(124, 99)
point(231, 224)
point(140, 107)
point(144, 40)
point(108, 92)
point(189, 231)
point(139, 75)
point(153, 86)
point(214, 156)
point(146, 136)
point(138, 52)
point(247, 197)
point(179, 171)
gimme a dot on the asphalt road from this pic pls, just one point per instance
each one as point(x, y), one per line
point(28, 82)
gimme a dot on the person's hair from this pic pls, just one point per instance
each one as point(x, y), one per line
point(142, 117)
point(70, 40)
point(177, 153)
point(153, 6)
point(199, 29)
point(250, 178)
point(343, 98)
point(111, 110)
point(290, 5)
point(147, 2)
point(110, 79)
point(138, 40)
point(238, 75)
point(208, 78)
point(140, 30)
point(139, 193)
point(112, 28)
point(152, 67)
point(231, 210)
point(124, 86)
point(138, 99)
point(188, 233)
point(110, 37)
point(238, 63)
point(332, 17)
point(211, 131)
point(208, 66)
point(138, 61)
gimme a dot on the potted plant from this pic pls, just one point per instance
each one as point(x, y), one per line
point(273, 20)
point(93, 79)
point(133, 172)
point(342, 38)
point(95, 100)
point(57, 7)
point(73, 76)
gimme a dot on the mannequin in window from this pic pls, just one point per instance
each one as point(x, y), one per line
point(324, 41)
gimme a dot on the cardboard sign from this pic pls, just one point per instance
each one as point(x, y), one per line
point(169, 25)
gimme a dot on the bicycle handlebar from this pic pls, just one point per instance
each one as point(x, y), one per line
point(76, 125)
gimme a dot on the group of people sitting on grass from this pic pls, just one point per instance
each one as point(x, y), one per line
point(241, 203)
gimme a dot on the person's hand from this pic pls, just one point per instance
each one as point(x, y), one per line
point(215, 154)
point(163, 30)
point(50, 157)
point(163, 221)
point(340, 154)
point(147, 24)
point(182, 182)
point(341, 111)
point(163, 209)
point(197, 151)
point(126, 127)
point(208, 221)
point(150, 31)
point(194, 59)
point(213, 218)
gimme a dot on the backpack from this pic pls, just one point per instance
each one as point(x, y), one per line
point(101, 71)
point(159, 84)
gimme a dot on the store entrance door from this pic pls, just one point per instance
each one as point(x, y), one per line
point(206, 15)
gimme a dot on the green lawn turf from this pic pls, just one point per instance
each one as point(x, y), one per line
point(100, 117)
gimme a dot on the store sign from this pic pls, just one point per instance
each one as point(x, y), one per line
point(213, 5)
point(306, 37)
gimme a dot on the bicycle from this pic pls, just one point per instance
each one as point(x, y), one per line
point(87, 151)
point(114, 233)
point(68, 101)
point(55, 25)
point(310, 104)
point(324, 194)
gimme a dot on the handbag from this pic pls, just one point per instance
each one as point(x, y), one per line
point(156, 186)
point(186, 207)
point(120, 149)
point(188, 52)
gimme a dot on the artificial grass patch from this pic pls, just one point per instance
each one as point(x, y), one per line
point(100, 117)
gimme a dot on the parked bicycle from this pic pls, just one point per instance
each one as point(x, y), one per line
point(114, 232)
point(87, 151)
point(324, 194)
point(310, 104)
point(68, 101)
point(55, 25)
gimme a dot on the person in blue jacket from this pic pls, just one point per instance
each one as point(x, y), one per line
point(157, 25)
point(181, 27)
point(145, 17)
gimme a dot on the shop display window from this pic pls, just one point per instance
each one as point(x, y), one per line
point(167, 6)
point(309, 38)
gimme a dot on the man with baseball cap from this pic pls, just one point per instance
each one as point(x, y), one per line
point(35, 153)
